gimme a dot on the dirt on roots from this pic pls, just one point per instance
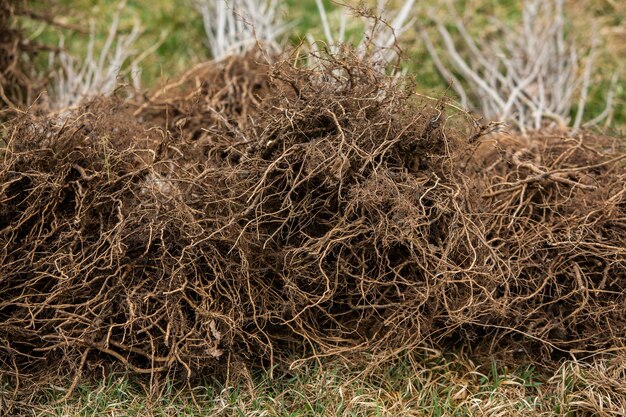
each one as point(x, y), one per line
point(251, 211)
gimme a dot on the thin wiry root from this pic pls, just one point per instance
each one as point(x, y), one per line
point(280, 209)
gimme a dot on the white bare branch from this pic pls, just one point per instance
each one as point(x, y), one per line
point(528, 76)
point(380, 33)
point(234, 27)
point(99, 72)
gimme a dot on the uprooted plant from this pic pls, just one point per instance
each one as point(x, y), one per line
point(280, 209)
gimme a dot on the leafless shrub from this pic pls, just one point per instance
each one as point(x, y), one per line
point(234, 27)
point(17, 84)
point(99, 72)
point(530, 76)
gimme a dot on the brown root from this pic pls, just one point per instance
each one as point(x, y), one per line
point(279, 209)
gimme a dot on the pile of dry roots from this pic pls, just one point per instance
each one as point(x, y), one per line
point(252, 211)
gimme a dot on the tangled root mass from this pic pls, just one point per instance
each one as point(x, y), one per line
point(281, 207)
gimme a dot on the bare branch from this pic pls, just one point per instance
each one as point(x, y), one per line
point(234, 27)
point(99, 72)
point(527, 75)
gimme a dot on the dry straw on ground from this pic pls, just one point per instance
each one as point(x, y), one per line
point(274, 210)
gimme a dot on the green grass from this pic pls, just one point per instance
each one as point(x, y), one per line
point(418, 384)
point(172, 25)
point(430, 386)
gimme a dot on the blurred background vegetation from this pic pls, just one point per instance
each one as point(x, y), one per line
point(175, 29)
